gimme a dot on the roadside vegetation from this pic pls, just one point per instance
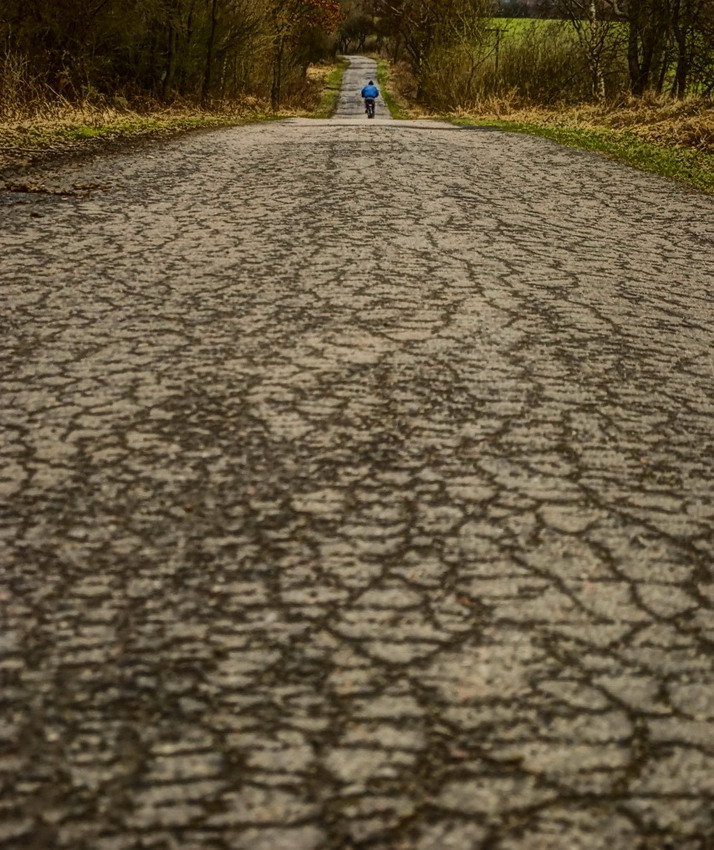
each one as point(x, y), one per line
point(330, 81)
point(398, 106)
point(54, 126)
point(74, 73)
point(633, 80)
point(87, 127)
point(456, 53)
point(590, 131)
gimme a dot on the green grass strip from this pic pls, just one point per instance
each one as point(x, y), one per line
point(331, 92)
point(398, 110)
point(23, 145)
point(689, 166)
point(136, 126)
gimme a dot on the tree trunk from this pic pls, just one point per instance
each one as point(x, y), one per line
point(183, 71)
point(170, 60)
point(277, 85)
point(209, 52)
point(636, 64)
point(681, 74)
point(596, 75)
point(664, 61)
point(682, 20)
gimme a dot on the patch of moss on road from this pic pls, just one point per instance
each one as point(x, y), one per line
point(687, 165)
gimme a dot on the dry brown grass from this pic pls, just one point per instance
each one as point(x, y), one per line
point(58, 112)
point(55, 130)
point(662, 120)
point(36, 123)
point(687, 123)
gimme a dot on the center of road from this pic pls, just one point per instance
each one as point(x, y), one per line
point(350, 104)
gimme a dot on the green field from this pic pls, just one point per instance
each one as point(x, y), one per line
point(515, 32)
point(517, 29)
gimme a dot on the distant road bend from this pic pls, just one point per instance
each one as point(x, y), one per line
point(356, 486)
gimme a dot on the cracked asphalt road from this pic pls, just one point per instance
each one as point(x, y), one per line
point(356, 492)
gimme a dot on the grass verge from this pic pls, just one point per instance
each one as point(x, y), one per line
point(665, 136)
point(688, 165)
point(60, 129)
point(331, 90)
point(396, 105)
point(78, 130)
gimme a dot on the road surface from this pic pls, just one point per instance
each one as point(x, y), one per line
point(356, 487)
point(350, 104)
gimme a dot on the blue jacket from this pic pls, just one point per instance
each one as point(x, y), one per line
point(370, 91)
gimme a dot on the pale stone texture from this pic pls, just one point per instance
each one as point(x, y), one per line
point(356, 486)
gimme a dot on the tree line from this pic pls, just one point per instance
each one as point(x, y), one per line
point(195, 49)
point(458, 51)
point(454, 52)
point(669, 44)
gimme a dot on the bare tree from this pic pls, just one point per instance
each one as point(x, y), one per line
point(597, 33)
point(688, 22)
point(428, 29)
point(291, 23)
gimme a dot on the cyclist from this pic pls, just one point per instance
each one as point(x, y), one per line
point(370, 93)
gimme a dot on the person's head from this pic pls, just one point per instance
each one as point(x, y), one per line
point(370, 83)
